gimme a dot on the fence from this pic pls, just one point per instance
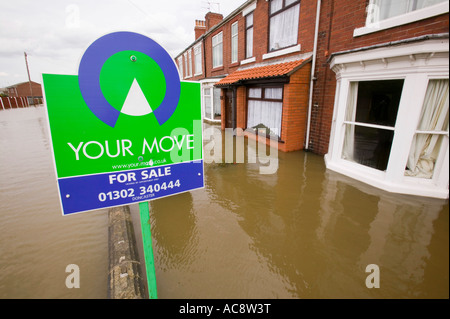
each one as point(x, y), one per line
point(17, 102)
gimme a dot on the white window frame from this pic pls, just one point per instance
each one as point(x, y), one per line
point(189, 63)
point(217, 42)
point(416, 63)
point(249, 28)
point(234, 42)
point(424, 13)
point(208, 85)
point(285, 6)
point(198, 69)
point(186, 68)
point(180, 67)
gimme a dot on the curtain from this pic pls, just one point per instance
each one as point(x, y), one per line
point(249, 36)
point(234, 42)
point(284, 28)
point(217, 50)
point(216, 102)
point(249, 43)
point(207, 102)
point(350, 114)
point(265, 114)
point(198, 60)
point(434, 117)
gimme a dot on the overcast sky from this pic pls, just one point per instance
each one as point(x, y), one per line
point(55, 34)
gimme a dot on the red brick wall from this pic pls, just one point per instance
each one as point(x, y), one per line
point(337, 22)
point(212, 19)
point(295, 109)
point(241, 107)
point(260, 37)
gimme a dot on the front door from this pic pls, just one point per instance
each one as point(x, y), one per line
point(229, 106)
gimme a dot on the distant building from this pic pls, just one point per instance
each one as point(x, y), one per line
point(34, 96)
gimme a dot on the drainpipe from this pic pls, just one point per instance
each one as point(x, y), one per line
point(313, 67)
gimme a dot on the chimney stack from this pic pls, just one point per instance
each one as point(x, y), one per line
point(200, 28)
point(212, 19)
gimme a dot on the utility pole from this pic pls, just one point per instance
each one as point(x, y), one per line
point(29, 78)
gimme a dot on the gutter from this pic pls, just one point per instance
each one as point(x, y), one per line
point(313, 67)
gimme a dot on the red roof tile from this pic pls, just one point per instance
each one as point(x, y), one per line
point(262, 72)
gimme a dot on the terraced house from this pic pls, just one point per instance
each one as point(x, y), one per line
point(362, 82)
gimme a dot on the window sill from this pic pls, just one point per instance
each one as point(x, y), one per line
point(217, 68)
point(406, 18)
point(273, 54)
point(262, 133)
point(247, 61)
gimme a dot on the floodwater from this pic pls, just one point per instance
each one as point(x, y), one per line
point(300, 232)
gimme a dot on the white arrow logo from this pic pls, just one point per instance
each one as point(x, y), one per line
point(136, 104)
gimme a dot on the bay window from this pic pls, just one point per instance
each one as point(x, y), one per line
point(431, 131)
point(371, 113)
point(390, 124)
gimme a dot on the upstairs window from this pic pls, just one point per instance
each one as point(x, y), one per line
point(217, 45)
point(188, 63)
point(180, 67)
point(284, 17)
point(198, 59)
point(384, 9)
point(249, 35)
point(234, 42)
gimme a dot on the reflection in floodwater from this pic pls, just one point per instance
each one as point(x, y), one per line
point(302, 232)
point(169, 213)
point(299, 232)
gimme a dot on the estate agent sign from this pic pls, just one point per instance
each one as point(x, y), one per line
point(125, 130)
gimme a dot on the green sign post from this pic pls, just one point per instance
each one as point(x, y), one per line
point(125, 130)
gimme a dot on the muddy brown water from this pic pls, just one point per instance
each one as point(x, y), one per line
point(301, 232)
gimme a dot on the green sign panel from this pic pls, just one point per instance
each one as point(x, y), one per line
point(126, 129)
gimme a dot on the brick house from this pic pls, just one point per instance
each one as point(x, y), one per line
point(255, 68)
point(362, 82)
point(22, 90)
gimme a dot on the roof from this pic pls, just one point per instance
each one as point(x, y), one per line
point(262, 72)
point(218, 25)
point(21, 83)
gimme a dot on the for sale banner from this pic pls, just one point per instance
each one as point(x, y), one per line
point(125, 129)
